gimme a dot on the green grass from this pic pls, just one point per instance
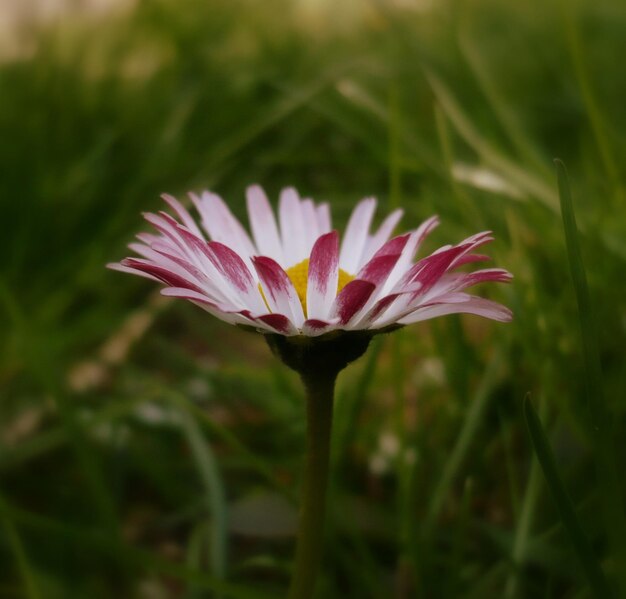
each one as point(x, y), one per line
point(134, 482)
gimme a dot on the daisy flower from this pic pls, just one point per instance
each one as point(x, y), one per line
point(317, 299)
point(293, 276)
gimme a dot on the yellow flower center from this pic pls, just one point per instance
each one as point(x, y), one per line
point(299, 275)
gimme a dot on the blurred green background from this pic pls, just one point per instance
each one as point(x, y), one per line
point(149, 451)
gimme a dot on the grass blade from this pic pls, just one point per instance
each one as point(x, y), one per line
point(520, 551)
point(350, 405)
point(530, 184)
point(593, 572)
point(96, 541)
point(507, 116)
point(213, 490)
point(593, 379)
point(601, 428)
point(31, 590)
point(594, 111)
point(464, 440)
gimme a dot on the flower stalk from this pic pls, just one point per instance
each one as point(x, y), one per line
point(319, 406)
point(318, 361)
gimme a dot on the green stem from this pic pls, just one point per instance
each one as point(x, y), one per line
point(318, 360)
point(319, 398)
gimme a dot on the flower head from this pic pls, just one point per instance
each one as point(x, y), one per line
point(295, 278)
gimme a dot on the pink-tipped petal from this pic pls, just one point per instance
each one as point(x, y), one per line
point(278, 290)
point(428, 270)
point(426, 228)
point(434, 267)
point(323, 275)
point(190, 294)
point(183, 214)
point(470, 244)
point(376, 271)
point(377, 310)
point(218, 310)
point(263, 224)
point(279, 323)
point(384, 262)
point(470, 259)
point(197, 248)
point(314, 327)
point(353, 246)
point(383, 233)
point(221, 225)
point(230, 264)
point(351, 299)
point(395, 280)
point(199, 253)
point(386, 308)
point(378, 268)
point(160, 254)
point(132, 271)
point(393, 246)
point(235, 271)
point(453, 282)
point(147, 238)
point(167, 226)
point(472, 305)
point(163, 274)
point(180, 240)
point(143, 250)
point(496, 275)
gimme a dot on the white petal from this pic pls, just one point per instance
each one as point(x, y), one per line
point(221, 224)
point(381, 236)
point(323, 218)
point(292, 227)
point(183, 214)
point(263, 224)
point(310, 224)
point(357, 231)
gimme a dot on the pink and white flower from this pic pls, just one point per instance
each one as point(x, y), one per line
point(296, 277)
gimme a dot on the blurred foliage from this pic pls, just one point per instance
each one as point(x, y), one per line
point(148, 451)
